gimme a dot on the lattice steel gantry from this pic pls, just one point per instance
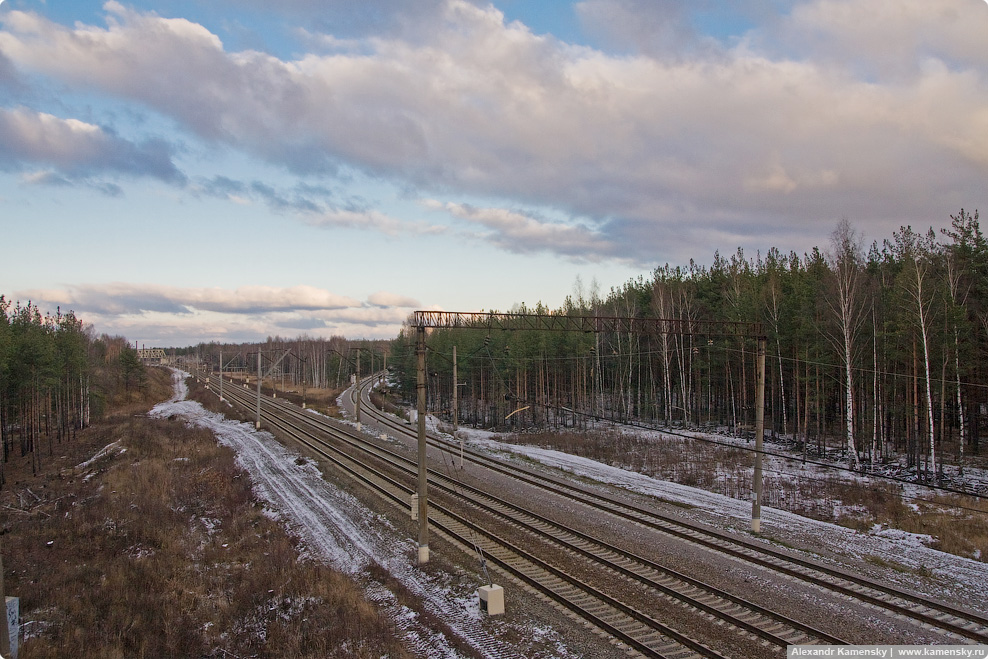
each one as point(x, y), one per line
point(551, 322)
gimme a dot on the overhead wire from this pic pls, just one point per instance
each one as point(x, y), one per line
point(489, 356)
point(454, 479)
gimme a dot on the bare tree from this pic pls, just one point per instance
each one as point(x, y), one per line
point(662, 308)
point(847, 304)
point(961, 260)
point(917, 254)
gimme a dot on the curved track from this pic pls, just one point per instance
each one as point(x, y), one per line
point(350, 451)
point(454, 507)
point(962, 623)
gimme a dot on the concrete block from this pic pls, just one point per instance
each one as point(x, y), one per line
point(13, 624)
point(492, 599)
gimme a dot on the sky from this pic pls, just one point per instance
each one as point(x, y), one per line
point(180, 171)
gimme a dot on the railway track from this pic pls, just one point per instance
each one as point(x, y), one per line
point(635, 629)
point(963, 624)
point(624, 622)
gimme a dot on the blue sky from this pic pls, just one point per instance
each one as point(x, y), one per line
point(178, 171)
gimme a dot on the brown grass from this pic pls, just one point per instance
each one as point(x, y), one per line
point(959, 524)
point(322, 400)
point(384, 404)
point(162, 551)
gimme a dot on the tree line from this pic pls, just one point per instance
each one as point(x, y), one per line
point(874, 354)
point(55, 377)
point(323, 363)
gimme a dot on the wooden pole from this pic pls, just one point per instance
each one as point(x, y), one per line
point(357, 385)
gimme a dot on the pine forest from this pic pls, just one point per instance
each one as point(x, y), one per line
point(55, 375)
point(874, 354)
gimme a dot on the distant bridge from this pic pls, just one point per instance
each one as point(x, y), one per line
point(152, 355)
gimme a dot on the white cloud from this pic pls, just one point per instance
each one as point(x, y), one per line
point(164, 329)
point(171, 316)
point(748, 141)
point(521, 233)
point(888, 38)
point(654, 27)
point(385, 299)
point(370, 219)
point(77, 148)
point(125, 298)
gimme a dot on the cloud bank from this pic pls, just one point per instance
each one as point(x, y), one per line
point(158, 312)
point(657, 138)
point(77, 149)
point(835, 109)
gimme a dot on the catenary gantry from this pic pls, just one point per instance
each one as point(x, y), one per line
point(554, 322)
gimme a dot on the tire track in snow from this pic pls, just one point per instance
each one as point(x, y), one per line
point(337, 528)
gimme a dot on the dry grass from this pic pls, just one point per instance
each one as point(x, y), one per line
point(162, 551)
point(322, 400)
point(959, 525)
point(384, 404)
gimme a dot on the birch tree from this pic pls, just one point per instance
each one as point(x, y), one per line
point(917, 254)
point(846, 302)
point(662, 308)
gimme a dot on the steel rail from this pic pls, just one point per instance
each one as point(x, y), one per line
point(641, 569)
point(753, 619)
point(967, 624)
point(655, 639)
point(761, 622)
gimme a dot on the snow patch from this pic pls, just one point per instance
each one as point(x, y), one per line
point(102, 453)
point(335, 527)
point(904, 537)
point(896, 547)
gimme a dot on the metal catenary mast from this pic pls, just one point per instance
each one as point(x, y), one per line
point(481, 320)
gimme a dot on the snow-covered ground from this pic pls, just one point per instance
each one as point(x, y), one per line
point(338, 529)
point(890, 545)
point(908, 554)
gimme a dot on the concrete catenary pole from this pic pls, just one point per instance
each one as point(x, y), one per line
point(357, 385)
point(221, 376)
point(4, 630)
point(456, 409)
point(257, 423)
point(423, 482)
point(756, 502)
